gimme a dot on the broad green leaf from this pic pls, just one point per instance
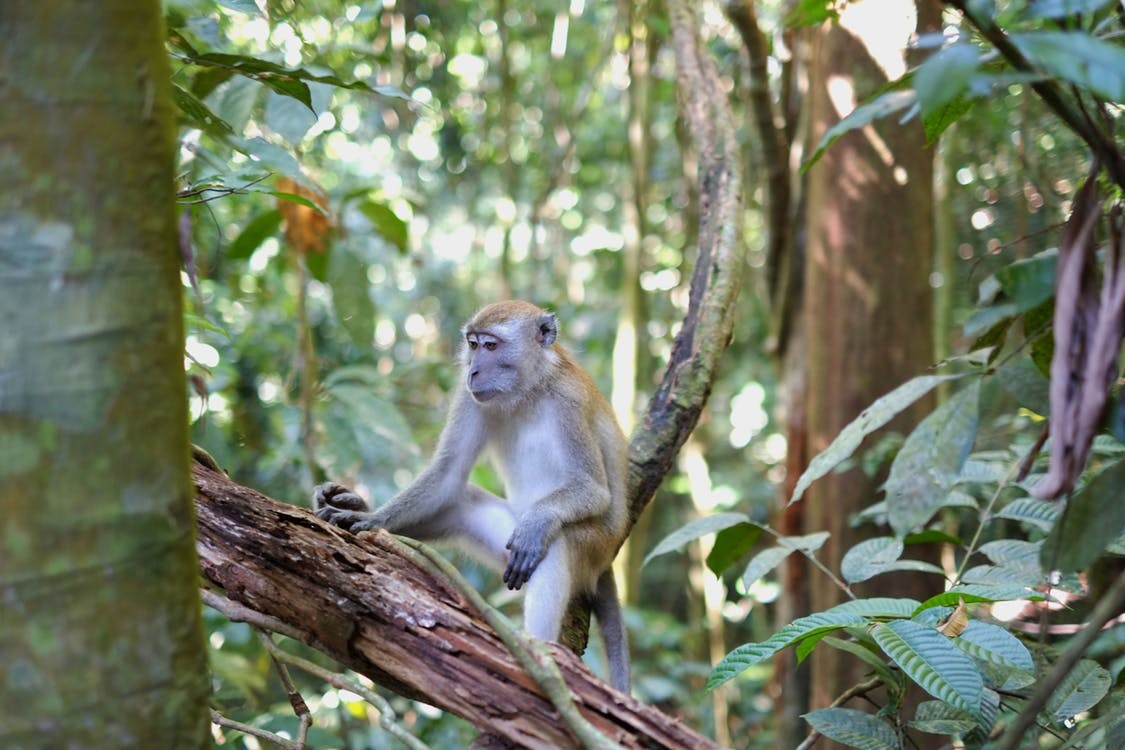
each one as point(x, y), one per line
point(386, 222)
point(978, 593)
point(1086, 684)
point(945, 75)
point(855, 612)
point(928, 465)
point(1031, 281)
point(1078, 57)
point(937, 717)
point(254, 234)
point(996, 575)
point(869, 558)
point(854, 728)
point(872, 418)
point(351, 297)
point(694, 530)
point(731, 544)
point(1063, 8)
point(762, 563)
point(199, 114)
point(928, 658)
point(248, 7)
point(882, 105)
point(931, 536)
point(938, 121)
point(1013, 553)
point(1022, 379)
point(1007, 660)
point(1094, 518)
point(872, 659)
point(805, 542)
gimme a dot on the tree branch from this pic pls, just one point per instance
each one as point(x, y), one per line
point(675, 406)
point(365, 602)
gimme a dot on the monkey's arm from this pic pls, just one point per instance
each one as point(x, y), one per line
point(416, 511)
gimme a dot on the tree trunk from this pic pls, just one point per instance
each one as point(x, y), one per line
point(366, 602)
point(867, 296)
point(101, 639)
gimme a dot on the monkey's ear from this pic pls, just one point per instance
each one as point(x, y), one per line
point(547, 329)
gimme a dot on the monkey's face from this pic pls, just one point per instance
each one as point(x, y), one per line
point(491, 366)
point(508, 352)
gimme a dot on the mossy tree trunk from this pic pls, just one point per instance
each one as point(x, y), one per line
point(101, 641)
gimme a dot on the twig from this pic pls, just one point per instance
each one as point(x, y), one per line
point(296, 700)
point(262, 734)
point(236, 612)
point(1107, 608)
point(531, 655)
point(388, 720)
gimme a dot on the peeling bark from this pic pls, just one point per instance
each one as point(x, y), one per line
point(364, 601)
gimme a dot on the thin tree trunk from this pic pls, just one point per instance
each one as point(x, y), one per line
point(101, 639)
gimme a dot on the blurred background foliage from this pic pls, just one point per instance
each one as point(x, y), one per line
point(357, 177)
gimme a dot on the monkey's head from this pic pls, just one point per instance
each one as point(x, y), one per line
point(509, 351)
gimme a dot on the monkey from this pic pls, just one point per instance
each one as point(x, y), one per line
point(561, 456)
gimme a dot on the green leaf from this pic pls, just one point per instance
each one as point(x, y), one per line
point(1022, 379)
point(978, 593)
point(805, 542)
point(870, 558)
point(1031, 281)
point(937, 122)
point(1086, 684)
point(1007, 661)
point(864, 654)
point(199, 114)
point(880, 106)
point(855, 612)
point(1013, 553)
point(854, 728)
point(1078, 57)
point(1063, 8)
point(351, 298)
point(763, 563)
point(945, 76)
point(254, 234)
point(927, 466)
point(930, 660)
point(937, 717)
point(694, 530)
point(872, 418)
point(1094, 518)
point(731, 544)
point(386, 222)
point(249, 7)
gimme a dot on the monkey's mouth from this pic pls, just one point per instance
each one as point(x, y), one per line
point(486, 395)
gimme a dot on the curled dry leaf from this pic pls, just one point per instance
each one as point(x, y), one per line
point(1088, 329)
point(306, 229)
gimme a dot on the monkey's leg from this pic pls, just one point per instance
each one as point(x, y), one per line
point(478, 520)
point(548, 592)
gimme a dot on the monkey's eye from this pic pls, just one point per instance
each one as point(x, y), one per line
point(472, 345)
point(490, 345)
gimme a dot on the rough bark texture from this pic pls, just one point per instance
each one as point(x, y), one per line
point(101, 635)
point(363, 601)
point(867, 296)
point(675, 407)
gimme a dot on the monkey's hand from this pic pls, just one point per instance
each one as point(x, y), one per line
point(528, 546)
point(341, 507)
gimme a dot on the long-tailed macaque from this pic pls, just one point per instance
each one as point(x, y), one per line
point(562, 458)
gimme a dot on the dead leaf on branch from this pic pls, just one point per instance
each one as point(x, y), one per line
point(306, 229)
point(1088, 327)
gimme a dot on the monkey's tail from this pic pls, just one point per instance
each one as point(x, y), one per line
point(607, 608)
